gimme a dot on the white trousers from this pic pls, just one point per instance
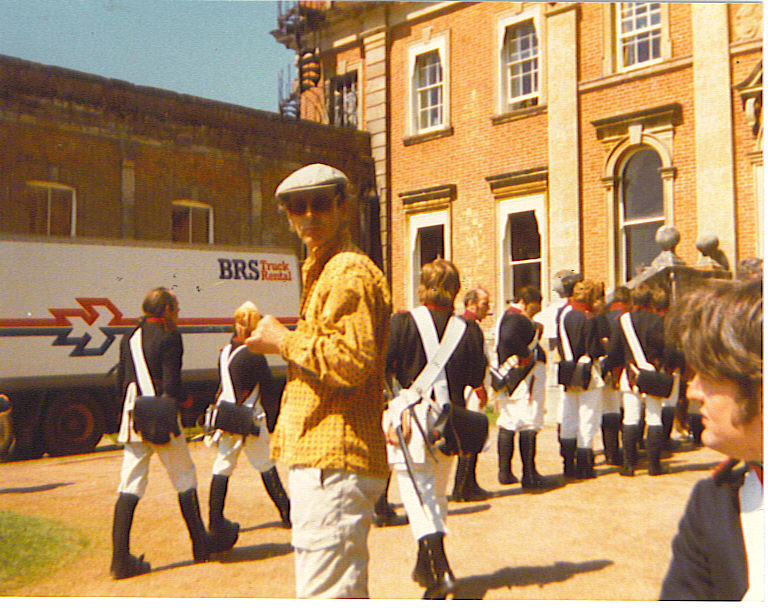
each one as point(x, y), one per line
point(175, 458)
point(633, 402)
point(432, 480)
point(581, 415)
point(256, 450)
point(611, 399)
point(524, 409)
point(331, 515)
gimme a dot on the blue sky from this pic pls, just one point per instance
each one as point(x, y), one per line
point(217, 49)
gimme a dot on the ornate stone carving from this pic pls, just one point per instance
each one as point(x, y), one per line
point(747, 21)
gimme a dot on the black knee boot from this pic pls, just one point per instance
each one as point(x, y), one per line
point(190, 510)
point(223, 532)
point(585, 458)
point(611, 426)
point(654, 443)
point(460, 480)
point(667, 422)
point(440, 581)
point(473, 491)
point(568, 451)
point(125, 565)
point(531, 478)
point(278, 495)
point(505, 447)
point(629, 435)
point(383, 512)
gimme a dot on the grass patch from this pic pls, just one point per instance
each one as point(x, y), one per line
point(31, 548)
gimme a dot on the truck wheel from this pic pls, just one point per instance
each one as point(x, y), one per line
point(72, 425)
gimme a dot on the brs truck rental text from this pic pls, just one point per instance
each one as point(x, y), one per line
point(65, 306)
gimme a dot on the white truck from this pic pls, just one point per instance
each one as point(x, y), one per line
point(66, 304)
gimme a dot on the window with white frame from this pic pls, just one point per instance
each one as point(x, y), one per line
point(51, 208)
point(428, 241)
point(520, 65)
point(428, 82)
point(639, 29)
point(192, 222)
point(520, 224)
point(343, 98)
point(641, 210)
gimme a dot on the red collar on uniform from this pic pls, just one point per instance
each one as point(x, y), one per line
point(583, 306)
point(438, 307)
point(619, 306)
point(758, 469)
point(643, 308)
point(469, 315)
point(513, 308)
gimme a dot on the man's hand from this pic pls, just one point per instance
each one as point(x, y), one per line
point(267, 337)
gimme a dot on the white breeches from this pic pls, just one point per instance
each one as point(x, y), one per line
point(633, 402)
point(256, 450)
point(611, 399)
point(175, 458)
point(524, 409)
point(582, 415)
point(432, 480)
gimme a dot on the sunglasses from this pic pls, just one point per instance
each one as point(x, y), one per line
point(320, 203)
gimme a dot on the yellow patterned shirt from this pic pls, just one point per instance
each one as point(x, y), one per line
point(330, 416)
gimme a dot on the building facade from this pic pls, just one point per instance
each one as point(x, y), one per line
point(83, 156)
point(521, 138)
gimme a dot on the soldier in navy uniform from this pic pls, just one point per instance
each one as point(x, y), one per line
point(649, 328)
point(248, 372)
point(466, 366)
point(718, 552)
point(581, 403)
point(163, 350)
point(522, 410)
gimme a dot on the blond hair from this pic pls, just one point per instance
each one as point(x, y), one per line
point(247, 315)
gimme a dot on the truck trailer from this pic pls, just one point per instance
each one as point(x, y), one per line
point(66, 304)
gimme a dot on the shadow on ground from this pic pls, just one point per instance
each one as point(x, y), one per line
point(250, 553)
point(28, 489)
point(475, 587)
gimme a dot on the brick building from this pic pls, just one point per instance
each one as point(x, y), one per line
point(519, 138)
point(83, 156)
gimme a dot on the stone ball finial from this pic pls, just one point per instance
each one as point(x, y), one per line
point(667, 237)
point(707, 244)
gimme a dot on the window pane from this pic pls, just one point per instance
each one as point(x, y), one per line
point(642, 188)
point(428, 91)
point(640, 28)
point(641, 246)
point(180, 219)
point(525, 240)
point(521, 50)
point(431, 244)
point(525, 275)
point(344, 107)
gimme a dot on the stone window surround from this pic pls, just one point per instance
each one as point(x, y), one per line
point(504, 21)
point(611, 46)
point(515, 191)
point(428, 41)
point(620, 135)
point(425, 207)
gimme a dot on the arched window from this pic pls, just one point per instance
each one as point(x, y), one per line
point(641, 209)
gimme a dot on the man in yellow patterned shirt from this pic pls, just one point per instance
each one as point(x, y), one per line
point(329, 430)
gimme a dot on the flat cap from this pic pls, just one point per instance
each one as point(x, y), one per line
point(311, 177)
